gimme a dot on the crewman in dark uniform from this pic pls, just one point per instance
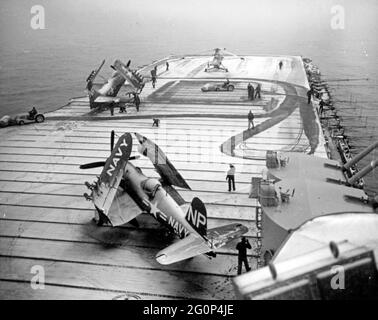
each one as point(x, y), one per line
point(249, 90)
point(252, 92)
point(153, 77)
point(242, 247)
point(155, 122)
point(250, 120)
point(321, 106)
point(258, 91)
point(32, 113)
point(136, 101)
point(111, 108)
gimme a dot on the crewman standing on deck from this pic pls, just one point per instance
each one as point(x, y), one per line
point(111, 108)
point(153, 77)
point(309, 94)
point(321, 106)
point(242, 247)
point(249, 91)
point(258, 91)
point(136, 101)
point(231, 178)
point(250, 120)
point(252, 92)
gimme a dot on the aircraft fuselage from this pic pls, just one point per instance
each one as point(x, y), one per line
point(151, 197)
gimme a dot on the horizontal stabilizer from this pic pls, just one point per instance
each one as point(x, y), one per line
point(194, 245)
point(186, 248)
point(220, 236)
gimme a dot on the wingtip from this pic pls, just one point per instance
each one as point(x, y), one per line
point(162, 259)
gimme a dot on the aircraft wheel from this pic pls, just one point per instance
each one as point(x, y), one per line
point(40, 118)
point(230, 88)
point(21, 122)
point(216, 89)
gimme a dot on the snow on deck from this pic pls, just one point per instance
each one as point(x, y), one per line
point(46, 221)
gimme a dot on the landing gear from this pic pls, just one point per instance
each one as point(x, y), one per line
point(211, 254)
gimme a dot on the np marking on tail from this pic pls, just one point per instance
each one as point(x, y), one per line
point(197, 216)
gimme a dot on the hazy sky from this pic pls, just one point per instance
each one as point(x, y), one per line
point(200, 16)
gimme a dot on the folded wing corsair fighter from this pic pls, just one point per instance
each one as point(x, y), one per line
point(136, 193)
point(108, 92)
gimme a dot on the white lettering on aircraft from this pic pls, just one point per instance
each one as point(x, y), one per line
point(117, 156)
point(196, 217)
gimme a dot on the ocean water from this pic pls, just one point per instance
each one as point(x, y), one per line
point(46, 67)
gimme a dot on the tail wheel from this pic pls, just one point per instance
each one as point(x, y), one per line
point(40, 118)
point(231, 88)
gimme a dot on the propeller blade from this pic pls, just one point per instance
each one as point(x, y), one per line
point(92, 165)
point(112, 140)
point(128, 63)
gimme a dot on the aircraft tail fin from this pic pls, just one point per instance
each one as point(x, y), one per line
point(197, 216)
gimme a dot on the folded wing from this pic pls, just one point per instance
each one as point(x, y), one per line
point(112, 173)
point(123, 209)
point(168, 173)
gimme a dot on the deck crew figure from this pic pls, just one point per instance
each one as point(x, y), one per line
point(32, 113)
point(153, 77)
point(231, 178)
point(321, 106)
point(136, 101)
point(309, 94)
point(250, 120)
point(242, 247)
point(111, 108)
point(252, 92)
point(258, 91)
point(155, 122)
point(249, 91)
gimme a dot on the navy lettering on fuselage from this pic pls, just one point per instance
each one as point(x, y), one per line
point(177, 227)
